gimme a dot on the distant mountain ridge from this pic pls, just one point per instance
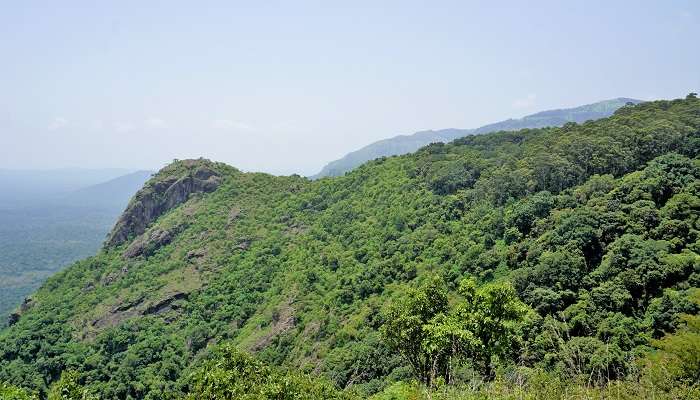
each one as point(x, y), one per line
point(27, 187)
point(403, 144)
point(115, 192)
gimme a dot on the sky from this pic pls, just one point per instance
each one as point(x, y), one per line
point(285, 87)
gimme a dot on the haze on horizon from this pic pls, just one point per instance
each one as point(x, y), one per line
point(286, 87)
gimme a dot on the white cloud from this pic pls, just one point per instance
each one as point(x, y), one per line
point(57, 123)
point(154, 122)
point(227, 124)
point(525, 102)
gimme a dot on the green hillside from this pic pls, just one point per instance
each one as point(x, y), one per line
point(525, 264)
point(404, 144)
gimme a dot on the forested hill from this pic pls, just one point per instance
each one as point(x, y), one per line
point(404, 144)
point(552, 260)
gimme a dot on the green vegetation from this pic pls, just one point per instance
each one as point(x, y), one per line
point(9, 392)
point(231, 374)
point(555, 262)
point(434, 338)
point(69, 388)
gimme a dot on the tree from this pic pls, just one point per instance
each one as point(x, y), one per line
point(406, 328)
point(69, 388)
point(229, 373)
point(522, 215)
point(679, 353)
point(9, 392)
point(434, 337)
point(492, 313)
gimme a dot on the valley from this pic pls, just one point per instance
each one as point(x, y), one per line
point(50, 219)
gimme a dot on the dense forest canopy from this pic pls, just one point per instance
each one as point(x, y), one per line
point(578, 248)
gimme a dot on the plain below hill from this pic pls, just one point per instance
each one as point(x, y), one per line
point(50, 219)
point(113, 193)
point(404, 144)
point(28, 187)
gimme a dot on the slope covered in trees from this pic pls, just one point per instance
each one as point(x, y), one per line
point(577, 247)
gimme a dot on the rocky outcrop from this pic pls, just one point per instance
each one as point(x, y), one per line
point(283, 319)
point(129, 309)
point(165, 304)
point(149, 242)
point(171, 187)
point(195, 254)
point(242, 244)
point(13, 318)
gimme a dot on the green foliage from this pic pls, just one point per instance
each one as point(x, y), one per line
point(680, 351)
point(9, 392)
point(69, 388)
point(678, 355)
point(232, 374)
point(435, 338)
point(528, 384)
point(413, 328)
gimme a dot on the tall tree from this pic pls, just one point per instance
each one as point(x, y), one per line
point(434, 337)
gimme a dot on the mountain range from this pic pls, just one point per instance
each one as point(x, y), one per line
point(403, 144)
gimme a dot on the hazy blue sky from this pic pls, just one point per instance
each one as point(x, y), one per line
point(285, 87)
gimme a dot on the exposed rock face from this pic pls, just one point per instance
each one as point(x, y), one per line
point(167, 190)
point(195, 254)
point(148, 243)
point(13, 318)
point(165, 304)
point(283, 319)
point(234, 215)
point(243, 244)
point(129, 309)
